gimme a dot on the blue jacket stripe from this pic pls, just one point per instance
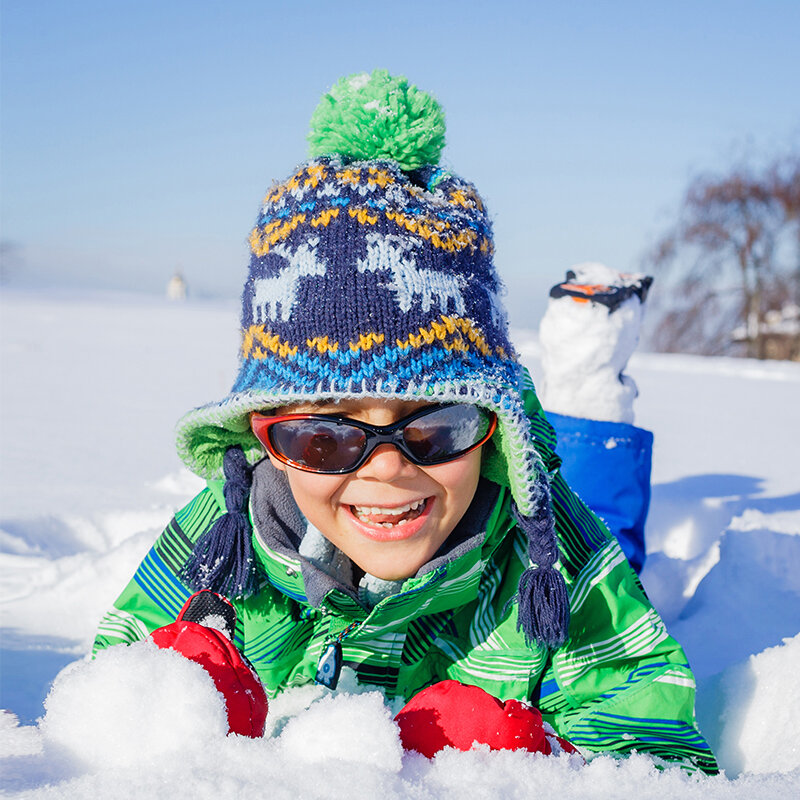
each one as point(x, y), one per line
point(160, 585)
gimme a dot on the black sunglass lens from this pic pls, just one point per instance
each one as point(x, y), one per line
point(318, 444)
point(446, 432)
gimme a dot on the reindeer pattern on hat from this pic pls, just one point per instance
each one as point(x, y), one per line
point(395, 253)
point(281, 289)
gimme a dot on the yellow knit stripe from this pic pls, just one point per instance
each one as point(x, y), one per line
point(349, 176)
point(456, 328)
point(310, 177)
point(324, 217)
point(455, 333)
point(276, 192)
point(365, 341)
point(322, 344)
point(379, 177)
point(256, 342)
point(363, 215)
point(459, 197)
point(437, 232)
point(467, 198)
point(261, 239)
point(315, 175)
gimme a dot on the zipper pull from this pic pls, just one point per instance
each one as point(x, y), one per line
point(330, 665)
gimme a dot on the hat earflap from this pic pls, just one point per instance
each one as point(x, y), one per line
point(543, 604)
point(222, 559)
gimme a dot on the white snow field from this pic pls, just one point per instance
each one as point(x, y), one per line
point(91, 388)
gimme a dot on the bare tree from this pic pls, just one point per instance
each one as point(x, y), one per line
point(732, 263)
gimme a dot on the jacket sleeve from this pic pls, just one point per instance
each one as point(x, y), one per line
point(155, 595)
point(622, 683)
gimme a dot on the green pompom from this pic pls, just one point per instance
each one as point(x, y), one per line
point(377, 116)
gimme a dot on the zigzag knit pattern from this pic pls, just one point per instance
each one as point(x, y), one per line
point(362, 274)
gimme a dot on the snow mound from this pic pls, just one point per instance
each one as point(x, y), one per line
point(747, 601)
point(105, 736)
point(16, 740)
point(132, 706)
point(73, 567)
point(754, 718)
point(350, 728)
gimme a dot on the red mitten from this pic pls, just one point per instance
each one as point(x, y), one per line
point(451, 714)
point(235, 679)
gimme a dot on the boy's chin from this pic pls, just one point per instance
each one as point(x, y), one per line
point(394, 569)
point(386, 573)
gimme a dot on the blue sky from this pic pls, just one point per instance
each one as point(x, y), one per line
point(138, 137)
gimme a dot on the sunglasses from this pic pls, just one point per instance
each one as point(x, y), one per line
point(336, 445)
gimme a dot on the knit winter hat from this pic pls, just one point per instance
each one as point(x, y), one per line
point(371, 275)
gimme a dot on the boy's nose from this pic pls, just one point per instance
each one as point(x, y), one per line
point(385, 464)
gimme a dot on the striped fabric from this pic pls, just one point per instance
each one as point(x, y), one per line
point(620, 684)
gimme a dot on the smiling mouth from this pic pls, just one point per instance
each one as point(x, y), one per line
point(389, 517)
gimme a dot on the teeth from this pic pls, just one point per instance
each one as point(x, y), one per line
point(363, 512)
point(378, 510)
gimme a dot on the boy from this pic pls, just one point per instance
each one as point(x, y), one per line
point(409, 520)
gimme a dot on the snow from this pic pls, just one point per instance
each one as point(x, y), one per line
point(91, 388)
point(584, 349)
point(345, 728)
point(167, 700)
point(756, 701)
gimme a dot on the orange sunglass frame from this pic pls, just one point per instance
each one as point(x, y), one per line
point(376, 435)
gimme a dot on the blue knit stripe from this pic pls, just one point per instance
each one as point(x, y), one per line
point(306, 372)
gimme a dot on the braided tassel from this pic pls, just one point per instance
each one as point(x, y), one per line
point(222, 559)
point(543, 613)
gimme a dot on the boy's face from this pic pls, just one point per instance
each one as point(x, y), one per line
point(358, 512)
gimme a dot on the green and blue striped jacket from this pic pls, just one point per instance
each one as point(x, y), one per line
point(619, 684)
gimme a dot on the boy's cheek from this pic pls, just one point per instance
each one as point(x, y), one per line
point(275, 463)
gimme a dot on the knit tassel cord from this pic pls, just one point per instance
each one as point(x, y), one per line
point(543, 613)
point(222, 559)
